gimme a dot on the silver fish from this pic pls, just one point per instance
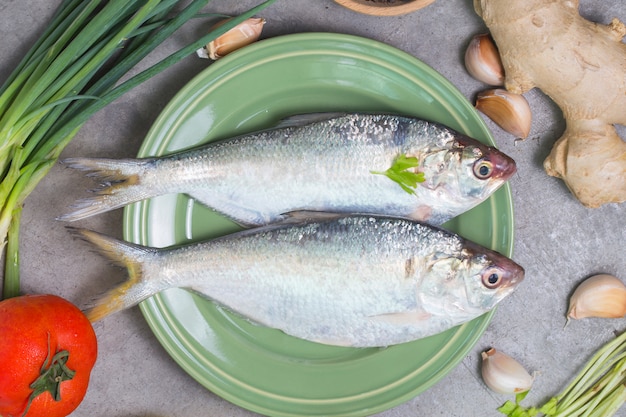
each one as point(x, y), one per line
point(354, 280)
point(327, 162)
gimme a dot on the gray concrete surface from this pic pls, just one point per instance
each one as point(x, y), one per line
point(557, 240)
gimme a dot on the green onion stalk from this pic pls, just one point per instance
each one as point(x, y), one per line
point(599, 389)
point(72, 71)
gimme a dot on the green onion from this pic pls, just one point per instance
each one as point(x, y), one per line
point(598, 390)
point(72, 71)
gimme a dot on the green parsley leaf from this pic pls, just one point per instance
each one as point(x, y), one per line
point(399, 172)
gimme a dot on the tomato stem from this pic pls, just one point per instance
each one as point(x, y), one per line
point(53, 371)
point(50, 379)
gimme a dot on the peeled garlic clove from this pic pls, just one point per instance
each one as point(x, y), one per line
point(508, 110)
point(600, 295)
point(504, 374)
point(241, 35)
point(482, 60)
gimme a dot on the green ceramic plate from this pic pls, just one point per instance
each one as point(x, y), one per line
point(263, 369)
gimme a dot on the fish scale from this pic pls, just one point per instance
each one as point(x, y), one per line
point(329, 162)
point(332, 279)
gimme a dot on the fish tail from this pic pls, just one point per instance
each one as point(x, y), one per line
point(135, 289)
point(120, 184)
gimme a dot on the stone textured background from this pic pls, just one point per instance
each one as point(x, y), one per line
point(557, 240)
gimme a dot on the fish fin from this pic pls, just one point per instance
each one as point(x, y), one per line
point(301, 216)
point(422, 213)
point(246, 217)
point(306, 119)
point(131, 256)
point(340, 342)
point(120, 184)
point(403, 318)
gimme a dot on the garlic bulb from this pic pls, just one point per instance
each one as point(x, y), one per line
point(241, 35)
point(504, 374)
point(601, 295)
point(482, 60)
point(508, 110)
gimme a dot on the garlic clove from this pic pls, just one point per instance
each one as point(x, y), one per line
point(503, 374)
point(241, 35)
point(482, 60)
point(508, 110)
point(600, 295)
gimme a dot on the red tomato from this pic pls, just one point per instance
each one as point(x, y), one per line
point(43, 335)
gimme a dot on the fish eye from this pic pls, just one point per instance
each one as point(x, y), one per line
point(483, 169)
point(492, 278)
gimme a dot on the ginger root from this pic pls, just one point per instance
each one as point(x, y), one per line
point(580, 65)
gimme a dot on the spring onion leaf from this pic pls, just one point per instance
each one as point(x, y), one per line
point(519, 397)
point(514, 409)
point(73, 70)
point(403, 172)
point(598, 390)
